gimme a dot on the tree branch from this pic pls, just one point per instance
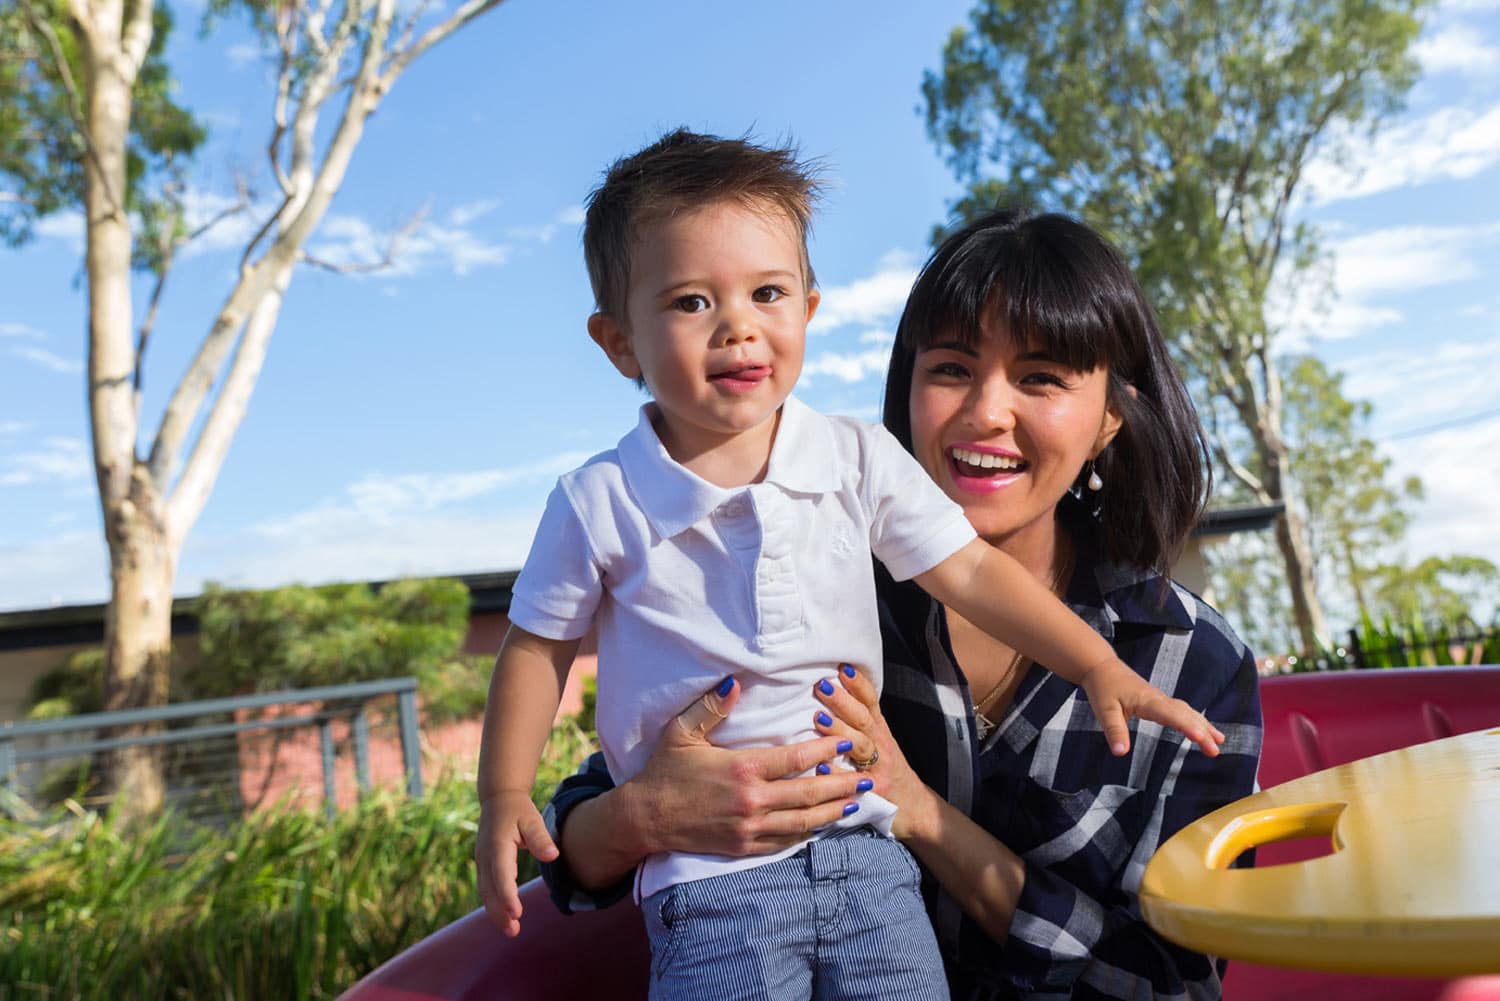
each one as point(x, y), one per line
point(387, 260)
point(43, 27)
point(466, 13)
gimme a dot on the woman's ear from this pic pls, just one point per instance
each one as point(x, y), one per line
point(615, 343)
point(1110, 424)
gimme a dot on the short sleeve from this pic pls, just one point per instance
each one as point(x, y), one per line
point(914, 526)
point(558, 590)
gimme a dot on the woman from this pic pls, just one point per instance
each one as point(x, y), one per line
point(1031, 382)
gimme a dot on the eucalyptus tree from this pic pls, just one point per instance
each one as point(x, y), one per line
point(88, 121)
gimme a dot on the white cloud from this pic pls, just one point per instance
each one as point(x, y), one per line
point(1456, 49)
point(345, 240)
point(59, 460)
point(1366, 274)
point(66, 226)
point(1405, 258)
point(1417, 389)
point(383, 500)
point(71, 568)
point(14, 427)
point(46, 359)
point(462, 215)
point(867, 300)
point(242, 55)
point(571, 217)
point(1457, 514)
point(855, 366)
point(20, 331)
point(1451, 143)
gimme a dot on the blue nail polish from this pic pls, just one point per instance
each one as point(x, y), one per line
point(825, 686)
point(725, 687)
point(824, 719)
point(851, 808)
point(848, 670)
point(823, 768)
point(845, 746)
point(865, 785)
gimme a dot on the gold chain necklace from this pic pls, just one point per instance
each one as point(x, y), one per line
point(983, 725)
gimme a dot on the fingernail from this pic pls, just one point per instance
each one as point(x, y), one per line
point(823, 768)
point(825, 686)
point(824, 719)
point(725, 687)
point(1118, 749)
point(845, 746)
point(848, 670)
point(865, 785)
point(851, 808)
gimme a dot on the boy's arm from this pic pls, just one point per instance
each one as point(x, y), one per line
point(525, 690)
point(994, 592)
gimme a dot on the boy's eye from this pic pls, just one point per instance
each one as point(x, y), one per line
point(690, 303)
point(769, 293)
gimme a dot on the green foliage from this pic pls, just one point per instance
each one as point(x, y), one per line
point(283, 905)
point(42, 150)
point(1182, 130)
point(455, 688)
point(75, 686)
point(300, 637)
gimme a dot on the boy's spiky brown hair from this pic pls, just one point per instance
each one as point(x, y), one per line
point(685, 170)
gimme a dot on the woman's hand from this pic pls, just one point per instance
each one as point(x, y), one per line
point(694, 797)
point(854, 713)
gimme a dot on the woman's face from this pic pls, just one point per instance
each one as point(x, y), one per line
point(1004, 429)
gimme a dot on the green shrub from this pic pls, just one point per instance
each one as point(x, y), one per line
point(285, 904)
point(74, 686)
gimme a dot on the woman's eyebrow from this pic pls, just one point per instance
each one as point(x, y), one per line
point(951, 345)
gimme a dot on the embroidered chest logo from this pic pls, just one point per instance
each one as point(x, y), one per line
point(842, 542)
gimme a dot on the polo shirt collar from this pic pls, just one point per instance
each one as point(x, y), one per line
point(673, 498)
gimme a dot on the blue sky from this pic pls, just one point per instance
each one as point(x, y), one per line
point(412, 421)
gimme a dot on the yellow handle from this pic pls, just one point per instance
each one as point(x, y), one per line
point(1266, 827)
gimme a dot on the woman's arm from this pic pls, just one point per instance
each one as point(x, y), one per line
point(691, 796)
point(1070, 913)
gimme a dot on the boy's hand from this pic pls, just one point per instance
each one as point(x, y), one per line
point(508, 822)
point(1116, 693)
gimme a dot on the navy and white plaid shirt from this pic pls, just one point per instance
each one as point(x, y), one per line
point(1046, 785)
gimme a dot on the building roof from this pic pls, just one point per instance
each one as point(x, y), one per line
point(67, 625)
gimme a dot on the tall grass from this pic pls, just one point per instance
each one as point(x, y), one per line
point(285, 904)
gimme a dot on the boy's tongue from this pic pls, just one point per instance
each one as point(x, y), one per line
point(748, 374)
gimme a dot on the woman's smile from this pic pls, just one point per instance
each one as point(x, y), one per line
point(980, 469)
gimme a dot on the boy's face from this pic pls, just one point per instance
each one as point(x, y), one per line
point(715, 322)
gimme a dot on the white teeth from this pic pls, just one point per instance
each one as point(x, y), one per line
point(984, 460)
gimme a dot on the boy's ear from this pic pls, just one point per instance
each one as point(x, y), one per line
point(813, 298)
point(612, 339)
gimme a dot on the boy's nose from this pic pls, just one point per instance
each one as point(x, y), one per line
point(735, 326)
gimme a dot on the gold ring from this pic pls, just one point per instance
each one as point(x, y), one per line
point(699, 730)
point(710, 707)
point(868, 763)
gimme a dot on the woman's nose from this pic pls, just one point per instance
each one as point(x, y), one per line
point(991, 406)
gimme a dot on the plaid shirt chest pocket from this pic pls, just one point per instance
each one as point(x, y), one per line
point(1086, 836)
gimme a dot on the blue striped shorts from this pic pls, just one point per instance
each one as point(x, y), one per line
point(841, 919)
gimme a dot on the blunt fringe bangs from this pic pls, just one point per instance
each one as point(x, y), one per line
point(1057, 285)
point(682, 171)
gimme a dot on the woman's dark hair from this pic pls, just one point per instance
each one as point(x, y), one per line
point(1052, 280)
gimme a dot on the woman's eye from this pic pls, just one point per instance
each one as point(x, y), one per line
point(1045, 379)
point(690, 304)
point(947, 370)
point(769, 293)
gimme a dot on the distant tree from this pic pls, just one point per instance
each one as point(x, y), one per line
point(87, 120)
point(1438, 589)
point(1184, 130)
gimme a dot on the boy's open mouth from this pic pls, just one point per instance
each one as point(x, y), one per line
point(969, 462)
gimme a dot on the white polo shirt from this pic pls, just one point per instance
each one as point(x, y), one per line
point(770, 582)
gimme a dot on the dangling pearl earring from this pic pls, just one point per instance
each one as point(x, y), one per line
point(1095, 482)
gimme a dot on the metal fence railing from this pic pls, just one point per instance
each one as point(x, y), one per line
point(228, 756)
